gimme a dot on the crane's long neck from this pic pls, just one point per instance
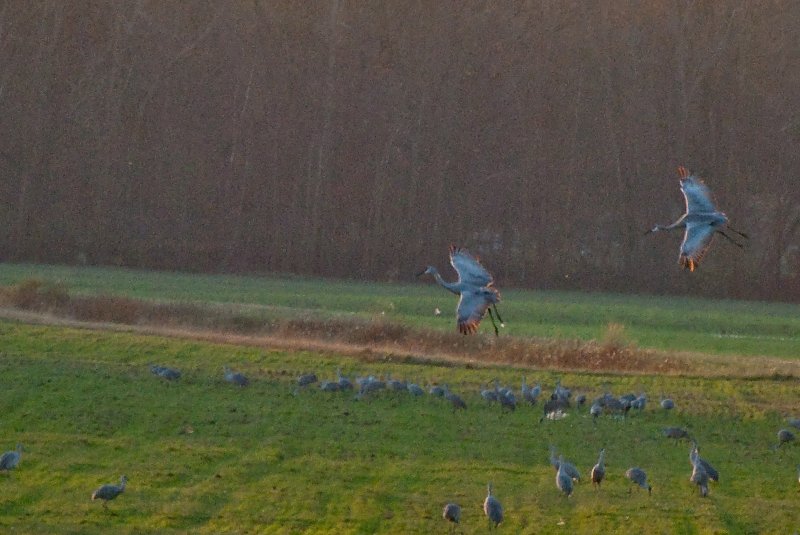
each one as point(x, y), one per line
point(602, 458)
point(681, 222)
point(452, 286)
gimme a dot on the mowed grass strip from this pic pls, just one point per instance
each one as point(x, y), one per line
point(659, 322)
point(203, 456)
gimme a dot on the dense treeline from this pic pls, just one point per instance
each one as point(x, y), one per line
point(356, 139)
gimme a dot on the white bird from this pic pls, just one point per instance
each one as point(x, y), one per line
point(475, 286)
point(702, 220)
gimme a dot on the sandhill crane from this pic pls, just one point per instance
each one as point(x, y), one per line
point(558, 463)
point(394, 384)
point(475, 286)
point(492, 508)
point(694, 458)
point(794, 422)
point(490, 394)
point(784, 436)
point(595, 410)
point(10, 459)
point(329, 386)
point(507, 400)
point(452, 513)
point(344, 382)
point(454, 399)
point(563, 480)
point(109, 492)
point(530, 394)
point(167, 373)
point(560, 392)
point(307, 379)
point(235, 377)
point(667, 404)
point(701, 221)
point(414, 389)
point(699, 477)
point(676, 433)
point(369, 384)
point(639, 403)
point(639, 477)
point(599, 470)
point(437, 391)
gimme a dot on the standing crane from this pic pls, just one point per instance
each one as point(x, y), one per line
point(599, 470)
point(694, 458)
point(702, 220)
point(475, 286)
point(699, 476)
point(563, 480)
point(492, 509)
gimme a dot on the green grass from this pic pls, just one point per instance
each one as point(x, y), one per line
point(205, 457)
point(721, 327)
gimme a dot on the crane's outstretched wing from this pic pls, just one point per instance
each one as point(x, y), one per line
point(471, 309)
point(696, 241)
point(697, 195)
point(470, 271)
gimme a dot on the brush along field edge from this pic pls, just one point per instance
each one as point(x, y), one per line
point(647, 361)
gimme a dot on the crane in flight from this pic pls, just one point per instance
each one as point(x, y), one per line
point(475, 286)
point(702, 220)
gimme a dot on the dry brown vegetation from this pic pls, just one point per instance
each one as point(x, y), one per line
point(369, 339)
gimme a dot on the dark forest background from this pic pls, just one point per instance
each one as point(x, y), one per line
point(359, 139)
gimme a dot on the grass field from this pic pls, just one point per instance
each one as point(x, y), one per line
point(203, 456)
point(670, 323)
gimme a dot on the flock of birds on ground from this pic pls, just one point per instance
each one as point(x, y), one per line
point(554, 407)
point(477, 296)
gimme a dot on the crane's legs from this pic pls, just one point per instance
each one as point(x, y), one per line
point(739, 232)
point(736, 243)
point(496, 332)
point(498, 314)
